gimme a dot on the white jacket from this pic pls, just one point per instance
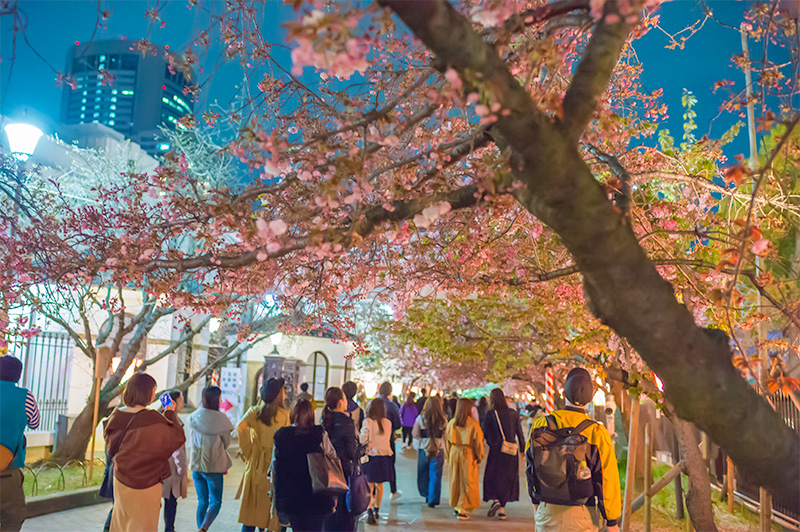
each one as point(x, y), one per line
point(377, 444)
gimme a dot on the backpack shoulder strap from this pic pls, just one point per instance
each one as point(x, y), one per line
point(551, 422)
point(583, 425)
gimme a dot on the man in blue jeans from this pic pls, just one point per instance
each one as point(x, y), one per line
point(18, 410)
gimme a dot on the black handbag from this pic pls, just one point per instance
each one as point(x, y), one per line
point(107, 486)
point(358, 495)
point(326, 471)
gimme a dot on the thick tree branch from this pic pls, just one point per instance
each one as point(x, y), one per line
point(594, 71)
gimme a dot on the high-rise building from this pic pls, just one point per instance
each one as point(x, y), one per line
point(131, 93)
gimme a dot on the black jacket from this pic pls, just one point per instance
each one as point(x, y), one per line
point(291, 479)
point(342, 433)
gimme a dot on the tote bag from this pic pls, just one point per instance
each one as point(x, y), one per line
point(358, 494)
point(326, 469)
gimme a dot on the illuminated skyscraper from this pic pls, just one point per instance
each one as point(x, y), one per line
point(129, 92)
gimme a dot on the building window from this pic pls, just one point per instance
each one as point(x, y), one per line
point(320, 375)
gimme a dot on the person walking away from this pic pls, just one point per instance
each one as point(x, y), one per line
point(428, 432)
point(355, 412)
point(463, 452)
point(177, 485)
point(376, 435)
point(256, 438)
point(18, 411)
point(294, 497)
point(141, 442)
point(501, 476)
point(421, 401)
point(304, 394)
point(211, 435)
point(597, 477)
point(408, 415)
point(483, 407)
point(341, 431)
point(393, 414)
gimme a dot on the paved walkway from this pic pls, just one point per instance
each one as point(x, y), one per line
point(407, 513)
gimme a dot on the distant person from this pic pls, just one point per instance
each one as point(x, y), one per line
point(141, 442)
point(211, 436)
point(256, 440)
point(598, 478)
point(501, 476)
point(376, 435)
point(19, 410)
point(393, 415)
point(355, 412)
point(294, 498)
point(428, 432)
point(408, 415)
point(341, 431)
point(422, 398)
point(483, 407)
point(177, 485)
point(463, 452)
point(304, 394)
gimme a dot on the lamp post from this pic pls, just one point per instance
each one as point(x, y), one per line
point(275, 338)
point(22, 139)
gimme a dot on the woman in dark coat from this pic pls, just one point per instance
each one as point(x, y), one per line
point(342, 432)
point(501, 477)
point(294, 498)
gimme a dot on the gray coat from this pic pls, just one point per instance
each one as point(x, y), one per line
point(211, 435)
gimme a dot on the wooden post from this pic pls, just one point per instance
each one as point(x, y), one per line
point(730, 472)
point(630, 473)
point(97, 385)
point(766, 510)
point(648, 476)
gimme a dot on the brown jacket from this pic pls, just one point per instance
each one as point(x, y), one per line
point(141, 456)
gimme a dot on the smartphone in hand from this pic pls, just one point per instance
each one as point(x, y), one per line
point(166, 400)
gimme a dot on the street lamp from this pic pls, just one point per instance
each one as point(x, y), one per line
point(22, 139)
point(275, 338)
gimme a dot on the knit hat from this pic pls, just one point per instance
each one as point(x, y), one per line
point(10, 369)
point(271, 388)
point(578, 387)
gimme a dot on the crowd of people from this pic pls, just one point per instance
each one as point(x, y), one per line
point(147, 465)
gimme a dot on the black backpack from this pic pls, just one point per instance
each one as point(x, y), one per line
point(558, 468)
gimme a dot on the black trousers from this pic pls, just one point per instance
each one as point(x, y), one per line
point(12, 500)
point(393, 481)
point(170, 509)
point(407, 439)
point(341, 520)
point(306, 523)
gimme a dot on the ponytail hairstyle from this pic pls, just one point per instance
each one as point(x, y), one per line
point(333, 396)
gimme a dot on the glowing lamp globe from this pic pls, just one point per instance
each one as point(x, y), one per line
point(22, 139)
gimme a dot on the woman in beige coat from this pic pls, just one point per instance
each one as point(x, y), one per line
point(177, 485)
point(256, 438)
point(463, 452)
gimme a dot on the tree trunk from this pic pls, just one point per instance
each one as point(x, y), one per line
point(698, 496)
point(77, 440)
point(622, 286)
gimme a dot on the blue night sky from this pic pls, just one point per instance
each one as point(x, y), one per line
point(54, 25)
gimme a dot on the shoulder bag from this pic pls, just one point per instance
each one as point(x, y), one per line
point(507, 447)
point(107, 486)
point(326, 469)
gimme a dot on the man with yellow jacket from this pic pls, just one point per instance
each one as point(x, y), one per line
point(573, 478)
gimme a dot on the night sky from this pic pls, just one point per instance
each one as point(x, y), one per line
point(54, 25)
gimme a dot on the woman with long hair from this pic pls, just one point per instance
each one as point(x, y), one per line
point(295, 499)
point(408, 415)
point(501, 476)
point(341, 431)
point(376, 434)
point(140, 441)
point(428, 432)
point(256, 438)
point(463, 452)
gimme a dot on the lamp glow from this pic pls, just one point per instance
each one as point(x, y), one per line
point(22, 139)
point(276, 338)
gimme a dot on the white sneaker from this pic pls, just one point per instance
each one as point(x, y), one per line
point(396, 495)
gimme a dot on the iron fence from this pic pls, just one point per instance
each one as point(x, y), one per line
point(46, 360)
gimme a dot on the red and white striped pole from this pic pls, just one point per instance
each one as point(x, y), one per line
point(549, 390)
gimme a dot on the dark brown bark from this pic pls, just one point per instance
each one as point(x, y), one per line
point(624, 288)
point(698, 496)
point(77, 440)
